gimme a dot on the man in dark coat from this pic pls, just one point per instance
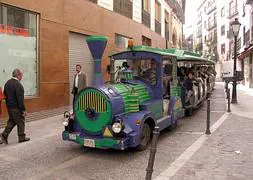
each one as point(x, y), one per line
point(79, 81)
point(14, 93)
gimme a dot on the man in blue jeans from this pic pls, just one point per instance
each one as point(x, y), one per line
point(14, 93)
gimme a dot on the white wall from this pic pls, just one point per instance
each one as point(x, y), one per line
point(108, 4)
point(152, 15)
point(137, 11)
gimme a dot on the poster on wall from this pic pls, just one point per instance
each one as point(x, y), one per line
point(19, 52)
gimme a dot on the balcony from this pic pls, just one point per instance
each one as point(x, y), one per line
point(124, 7)
point(176, 8)
point(246, 39)
point(211, 9)
point(230, 34)
point(199, 34)
point(233, 14)
point(199, 20)
point(211, 26)
point(251, 33)
point(214, 41)
point(249, 1)
point(157, 27)
point(145, 18)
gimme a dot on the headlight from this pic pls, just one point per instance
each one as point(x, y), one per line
point(117, 127)
point(66, 118)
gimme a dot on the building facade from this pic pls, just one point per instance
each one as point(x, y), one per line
point(213, 34)
point(46, 39)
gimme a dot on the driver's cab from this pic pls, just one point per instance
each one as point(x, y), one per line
point(141, 69)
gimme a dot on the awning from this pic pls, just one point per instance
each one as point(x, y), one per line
point(246, 52)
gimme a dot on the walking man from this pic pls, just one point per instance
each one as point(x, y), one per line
point(79, 81)
point(14, 93)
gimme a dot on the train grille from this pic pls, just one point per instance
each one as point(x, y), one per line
point(93, 100)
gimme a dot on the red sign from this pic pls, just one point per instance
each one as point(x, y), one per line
point(5, 29)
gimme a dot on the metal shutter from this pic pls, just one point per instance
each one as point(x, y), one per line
point(79, 53)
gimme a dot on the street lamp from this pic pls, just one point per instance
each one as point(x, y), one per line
point(235, 28)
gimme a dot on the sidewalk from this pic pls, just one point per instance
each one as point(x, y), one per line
point(227, 153)
point(40, 115)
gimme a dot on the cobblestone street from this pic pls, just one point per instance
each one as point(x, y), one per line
point(226, 154)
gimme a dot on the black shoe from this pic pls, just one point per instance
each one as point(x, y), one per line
point(4, 139)
point(24, 140)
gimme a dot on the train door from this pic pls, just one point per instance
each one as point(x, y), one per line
point(167, 77)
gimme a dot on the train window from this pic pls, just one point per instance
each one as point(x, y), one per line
point(150, 71)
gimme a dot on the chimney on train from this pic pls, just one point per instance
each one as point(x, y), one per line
point(97, 46)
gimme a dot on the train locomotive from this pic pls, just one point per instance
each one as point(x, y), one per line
point(123, 113)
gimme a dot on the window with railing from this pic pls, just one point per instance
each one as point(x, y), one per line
point(146, 12)
point(223, 12)
point(214, 18)
point(223, 48)
point(157, 11)
point(167, 21)
point(223, 30)
point(145, 5)
point(246, 38)
point(232, 7)
point(124, 7)
point(157, 17)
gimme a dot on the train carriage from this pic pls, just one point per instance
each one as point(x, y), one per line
point(143, 93)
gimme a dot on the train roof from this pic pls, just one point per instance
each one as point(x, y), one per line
point(184, 55)
point(148, 49)
point(180, 55)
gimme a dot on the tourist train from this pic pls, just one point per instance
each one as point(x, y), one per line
point(148, 87)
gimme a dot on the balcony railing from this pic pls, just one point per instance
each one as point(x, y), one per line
point(157, 27)
point(214, 41)
point(230, 34)
point(232, 14)
point(246, 39)
point(199, 20)
point(249, 1)
point(199, 33)
point(145, 18)
point(177, 9)
point(211, 26)
point(211, 9)
point(251, 33)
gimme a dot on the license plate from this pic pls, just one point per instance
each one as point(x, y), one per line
point(89, 142)
point(72, 136)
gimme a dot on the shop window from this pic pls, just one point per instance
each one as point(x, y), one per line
point(121, 41)
point(18, 46)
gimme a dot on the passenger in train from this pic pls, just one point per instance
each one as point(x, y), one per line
point(150, 74)
point(125, 66)
point(188, 87)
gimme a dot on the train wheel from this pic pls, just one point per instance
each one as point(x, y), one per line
point(145, 137)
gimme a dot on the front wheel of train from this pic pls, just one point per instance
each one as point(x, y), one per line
point(145, 137)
